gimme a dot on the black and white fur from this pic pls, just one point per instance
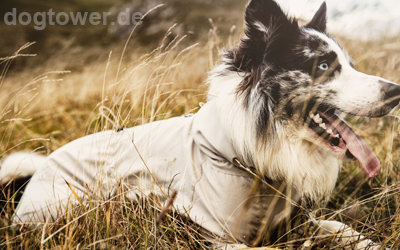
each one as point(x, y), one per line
point(275, 72)
point(280, 73)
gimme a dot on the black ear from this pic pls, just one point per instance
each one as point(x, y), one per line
point(319, 20)
point(267, 29)
point(265, 19)
point(268, 32)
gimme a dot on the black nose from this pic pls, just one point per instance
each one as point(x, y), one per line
point(392, 94)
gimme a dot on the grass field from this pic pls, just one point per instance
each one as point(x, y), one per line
point(81, 90)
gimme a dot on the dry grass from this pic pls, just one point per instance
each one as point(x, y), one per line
point(44, 112)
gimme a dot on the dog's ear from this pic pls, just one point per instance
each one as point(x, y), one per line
point(268, 29)
point(266, 22)
point(268, 32)
point(319, 20)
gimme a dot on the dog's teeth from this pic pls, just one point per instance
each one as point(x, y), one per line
point(317, 119)
point(322, 125)
point(329, 131)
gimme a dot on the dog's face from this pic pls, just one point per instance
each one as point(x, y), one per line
point(301, 77)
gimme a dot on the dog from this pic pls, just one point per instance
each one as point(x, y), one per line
point(270, 135)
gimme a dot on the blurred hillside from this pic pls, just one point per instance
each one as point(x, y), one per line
point(191, 17)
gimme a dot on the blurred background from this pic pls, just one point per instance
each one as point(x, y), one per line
point(356, 19)
point(191, 16)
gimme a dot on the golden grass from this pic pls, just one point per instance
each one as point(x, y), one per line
point(44, 112)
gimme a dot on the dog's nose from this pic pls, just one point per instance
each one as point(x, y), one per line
point(392, 93)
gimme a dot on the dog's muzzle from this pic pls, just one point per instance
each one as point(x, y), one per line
point(391, 93)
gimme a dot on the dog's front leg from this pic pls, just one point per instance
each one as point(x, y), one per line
point(345, 236)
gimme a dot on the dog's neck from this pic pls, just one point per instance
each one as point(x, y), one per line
point(310, 169)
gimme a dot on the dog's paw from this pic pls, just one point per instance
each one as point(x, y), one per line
point(369, 245)
point(229, 246)
point(244, 247)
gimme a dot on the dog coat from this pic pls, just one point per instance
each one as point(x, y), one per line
point(190, 155)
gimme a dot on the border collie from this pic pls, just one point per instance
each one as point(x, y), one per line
point(270, 134)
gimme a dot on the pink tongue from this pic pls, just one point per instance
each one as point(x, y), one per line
point(357, 147)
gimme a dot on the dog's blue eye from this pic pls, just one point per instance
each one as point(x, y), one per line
point(324, 66)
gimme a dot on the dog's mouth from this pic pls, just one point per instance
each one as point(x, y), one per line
point(333, 133)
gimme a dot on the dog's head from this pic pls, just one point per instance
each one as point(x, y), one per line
point(301, 77)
